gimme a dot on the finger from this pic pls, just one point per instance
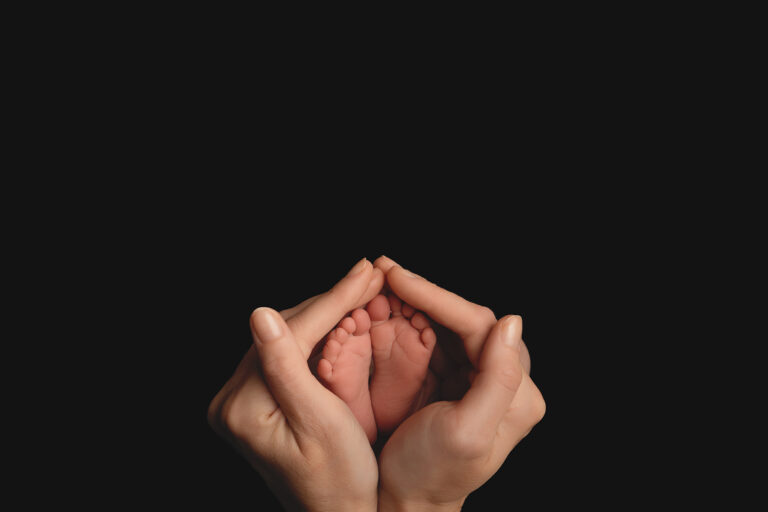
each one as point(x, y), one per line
point(384, 263)
point(497, 378)
point(284, 366)
point(525, 357)
point(374, 287)
point(527, 409)
point(321, 315)
point(470, 321)
point(289, 313)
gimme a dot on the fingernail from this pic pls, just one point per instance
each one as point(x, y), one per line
point(408, 273)
point(511, 336)
point(359, 266)
point(390, 260)
point(266, 325)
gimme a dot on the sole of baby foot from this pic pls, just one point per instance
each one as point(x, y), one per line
point(345, 367)
point(402, 342)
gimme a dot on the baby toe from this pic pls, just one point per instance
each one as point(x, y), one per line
point(395, 305)
point(419, 321)
point(378, 308)
point(331, 350)
point(362, 321)
point(428, 338)
point(408, 310)
point(348, 324)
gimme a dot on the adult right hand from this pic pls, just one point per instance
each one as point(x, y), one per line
point(448, 449)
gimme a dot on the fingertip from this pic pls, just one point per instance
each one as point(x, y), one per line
point(399, 272)
point(512, 331)
point(266, 324)
point(377, 277)
point(360, 267)
point(385, 263)
point(513, 321)
point(257, 313)
point(375, 286)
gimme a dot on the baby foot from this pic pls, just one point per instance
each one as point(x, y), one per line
point(402, 346)
point(346, 365)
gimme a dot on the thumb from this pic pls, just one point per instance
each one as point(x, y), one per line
point(284, 366)
point(498, 377)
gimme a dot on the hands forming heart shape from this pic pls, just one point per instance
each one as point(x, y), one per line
point(442, 383)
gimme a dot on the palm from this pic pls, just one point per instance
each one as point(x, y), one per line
point(449, 372)
point(430, 448)
point(425, 440)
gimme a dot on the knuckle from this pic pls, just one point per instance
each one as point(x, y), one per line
point(510, 378)
point(469, 445)
point(282, 366)
point(233, 419)
point(535, 410)
point(538, 409)
point(238, 419)
point(465, 443)
point(335, 295)
point(485, 318)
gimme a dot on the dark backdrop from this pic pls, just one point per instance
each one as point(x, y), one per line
point(220, 174)
point(531, 202)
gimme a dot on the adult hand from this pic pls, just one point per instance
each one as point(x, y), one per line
point(299, 436)
point(448, 449)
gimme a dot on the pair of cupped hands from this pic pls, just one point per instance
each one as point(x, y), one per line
point(310, 448)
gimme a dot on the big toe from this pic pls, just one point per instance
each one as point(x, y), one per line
point(378, 308)
point(362, 321)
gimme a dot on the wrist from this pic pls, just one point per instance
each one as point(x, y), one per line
point(391, 503)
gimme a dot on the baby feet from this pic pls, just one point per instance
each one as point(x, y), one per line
point(346, 365)
point(402, 343)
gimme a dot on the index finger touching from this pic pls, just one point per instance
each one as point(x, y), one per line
point(470, 321)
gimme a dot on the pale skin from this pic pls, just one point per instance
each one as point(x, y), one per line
point(313, 452)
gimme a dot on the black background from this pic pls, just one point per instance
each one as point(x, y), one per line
point(546, 194)
point(582, 169)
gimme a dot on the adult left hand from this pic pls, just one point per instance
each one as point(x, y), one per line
point(299, 436)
